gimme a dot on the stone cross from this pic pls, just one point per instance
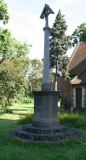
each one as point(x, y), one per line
point(46, 77)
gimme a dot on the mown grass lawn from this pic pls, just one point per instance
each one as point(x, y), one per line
point(13, 149)
point(18, 111)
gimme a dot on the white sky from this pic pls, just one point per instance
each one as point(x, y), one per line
point(25, 23)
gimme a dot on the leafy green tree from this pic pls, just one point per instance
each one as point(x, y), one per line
point(15, 54)
point(59, 44)
point(4, 12)
point(5, 44)
point(20, 48)
point(79, 35)
point(10, 47)
point(63, 66)
point(14, 61)
point(11, 81)
point(35, 74)
point(14, 57)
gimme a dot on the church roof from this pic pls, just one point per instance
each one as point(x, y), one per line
point(78, 60)
point(80, 79)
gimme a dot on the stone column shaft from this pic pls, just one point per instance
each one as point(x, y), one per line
point(46, 77)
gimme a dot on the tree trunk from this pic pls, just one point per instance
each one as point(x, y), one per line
point(6, 105)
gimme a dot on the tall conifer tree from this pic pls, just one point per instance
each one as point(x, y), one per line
point(59, 44)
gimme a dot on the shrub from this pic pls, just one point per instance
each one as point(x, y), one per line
point(23, 99)
point(69, 117)
point(27, 100)
point(27, 119)
point(29, 115)
point(73, 120)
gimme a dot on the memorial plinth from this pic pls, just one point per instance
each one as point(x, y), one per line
point(45, 109)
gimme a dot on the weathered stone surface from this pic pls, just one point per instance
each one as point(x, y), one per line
point(46, 76)
point(46, 87)
point(28, 133)
point(46, 11)
point(45, 109)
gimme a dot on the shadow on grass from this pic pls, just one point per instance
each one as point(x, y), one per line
point(15, 111)
point(8, 121)
point(20, 109)
point(29, 106)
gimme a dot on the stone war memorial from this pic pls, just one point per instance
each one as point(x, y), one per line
point(45, 124)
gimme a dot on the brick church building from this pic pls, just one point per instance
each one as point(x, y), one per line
point(74, 90)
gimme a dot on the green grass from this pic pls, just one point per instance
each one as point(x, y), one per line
point(18, 110)
point(13, 149)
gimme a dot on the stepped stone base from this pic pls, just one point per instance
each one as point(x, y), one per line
point(28, 133)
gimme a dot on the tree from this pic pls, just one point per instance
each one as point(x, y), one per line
point(35, 74)
point(10, 47)
point(12, 81)
point(6, 43)
point(14, 59)
point(64, 67)
point(20, 48)
point(79, 35)
point(59, 43)
point(4, 12)
point(14, 64)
